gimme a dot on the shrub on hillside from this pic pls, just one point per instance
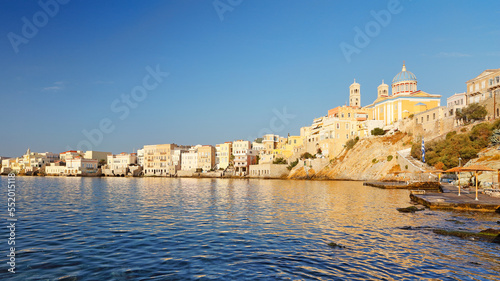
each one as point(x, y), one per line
point(279, 160)
point(439, 166)
point(293, 164)
point(465, 146)
point(351, 143)
point(306, 155)
point(377, 132)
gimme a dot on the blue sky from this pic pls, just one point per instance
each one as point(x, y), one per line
point(229, 71)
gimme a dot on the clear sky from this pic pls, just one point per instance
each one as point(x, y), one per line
point(231, 65)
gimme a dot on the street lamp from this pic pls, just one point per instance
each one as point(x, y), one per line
point(459, 162)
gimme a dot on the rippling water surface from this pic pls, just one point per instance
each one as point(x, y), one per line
point(207, 229)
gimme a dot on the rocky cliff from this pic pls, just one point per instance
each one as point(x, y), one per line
point(372, 158)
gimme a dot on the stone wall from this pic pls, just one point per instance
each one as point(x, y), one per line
point(268, 170)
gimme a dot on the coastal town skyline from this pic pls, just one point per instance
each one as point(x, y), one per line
point(223, 82)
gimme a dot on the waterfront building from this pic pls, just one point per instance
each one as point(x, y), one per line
point(158, 159)
point(189, 159)
point(8, 165)
point(244, 156)
point(206, 157)
point(79, 166)
point(224, 154)
point(140, 157)
point(120, 164)
point(217, 156)
point(57, 168)
point(177, 158)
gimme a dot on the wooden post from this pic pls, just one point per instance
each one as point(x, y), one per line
point(458, 183)
point(498, 178)
point(475, 174)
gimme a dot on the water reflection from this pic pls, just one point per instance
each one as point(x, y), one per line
point(135, 228)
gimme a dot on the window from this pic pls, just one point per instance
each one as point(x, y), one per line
point(427, 117)
point(347, 126)
point(433, 116)
point(349, 114)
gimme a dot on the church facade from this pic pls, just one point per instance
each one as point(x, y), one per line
point(405, 99)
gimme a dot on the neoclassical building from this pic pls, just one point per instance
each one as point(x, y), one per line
point(405, 99)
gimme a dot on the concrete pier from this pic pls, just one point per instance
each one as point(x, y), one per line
point(450, 200)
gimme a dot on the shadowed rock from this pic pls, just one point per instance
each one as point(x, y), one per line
point(411, 209)
point(335, 245)
point(487, 235)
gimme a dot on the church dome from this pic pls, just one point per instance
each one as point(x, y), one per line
point(404, 75)
point(355, 84)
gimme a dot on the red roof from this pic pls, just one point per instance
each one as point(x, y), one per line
point(74, 151)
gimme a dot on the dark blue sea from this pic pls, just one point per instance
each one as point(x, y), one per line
point(225, 229)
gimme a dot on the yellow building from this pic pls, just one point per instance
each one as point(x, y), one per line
point(405, 100)
point(225, 152)
point(158, 159)
point(288, 147)
point(206, 157)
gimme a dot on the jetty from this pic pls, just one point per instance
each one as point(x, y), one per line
point(404, 185)
point(449, 199)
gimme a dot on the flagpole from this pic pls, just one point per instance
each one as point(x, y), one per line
point(423, 150)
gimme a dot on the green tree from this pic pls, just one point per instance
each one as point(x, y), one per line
point(377, 132)
point(473, 111)
point(293, 164)
point(306, 155)
point(279, 160)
